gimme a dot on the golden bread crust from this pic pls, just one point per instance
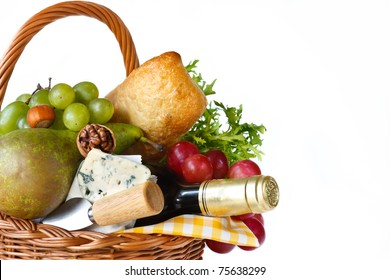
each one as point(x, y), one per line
point(160, 98)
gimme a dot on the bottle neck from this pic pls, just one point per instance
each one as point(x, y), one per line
point(187, 200)
point(230, 197)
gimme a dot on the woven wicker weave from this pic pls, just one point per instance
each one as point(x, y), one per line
point(24, 239)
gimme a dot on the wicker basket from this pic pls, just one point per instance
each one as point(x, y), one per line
point(24, 239)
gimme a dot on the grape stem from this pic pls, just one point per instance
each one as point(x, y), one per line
point(49, 87)
point(38, 88)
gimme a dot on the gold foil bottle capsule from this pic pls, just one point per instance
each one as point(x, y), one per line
point(256, 194)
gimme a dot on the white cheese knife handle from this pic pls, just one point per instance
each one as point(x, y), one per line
point(137, 202)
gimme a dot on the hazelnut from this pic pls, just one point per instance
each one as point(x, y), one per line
point(42, 115)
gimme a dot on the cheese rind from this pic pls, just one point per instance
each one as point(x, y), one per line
point(102, 174)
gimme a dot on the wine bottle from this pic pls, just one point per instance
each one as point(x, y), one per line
point(218, 197)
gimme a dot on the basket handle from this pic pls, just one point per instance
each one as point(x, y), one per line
point(58, 11)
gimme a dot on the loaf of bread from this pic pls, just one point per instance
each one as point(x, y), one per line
point(160, 98)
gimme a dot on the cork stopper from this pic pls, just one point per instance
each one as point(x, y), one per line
point(137, 202)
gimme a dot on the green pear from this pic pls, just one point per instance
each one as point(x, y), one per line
point(37, 167)
point(127, 135)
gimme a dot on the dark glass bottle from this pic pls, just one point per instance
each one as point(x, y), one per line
point(222, 197)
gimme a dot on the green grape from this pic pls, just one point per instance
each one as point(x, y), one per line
point(22, 123)
point(76, 116)
point(61, 95)
point(58, 122)
point(101, 110)
point(10, 116)
point(40, 97)
point(24, 97)
point(85, 92)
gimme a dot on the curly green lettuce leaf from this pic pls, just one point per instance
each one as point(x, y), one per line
point(221, 127)
point(198, 79)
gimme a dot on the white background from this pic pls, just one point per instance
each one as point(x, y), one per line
point(315, 73)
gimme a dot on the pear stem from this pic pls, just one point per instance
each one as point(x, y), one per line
point(156, 146)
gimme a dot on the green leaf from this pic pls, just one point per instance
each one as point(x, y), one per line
point(238, 140)
point(198, 79)
point(221, 127)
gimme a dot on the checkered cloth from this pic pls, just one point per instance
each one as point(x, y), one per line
point(220, 229)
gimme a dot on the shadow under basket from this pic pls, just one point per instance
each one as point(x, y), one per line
point(25, 239)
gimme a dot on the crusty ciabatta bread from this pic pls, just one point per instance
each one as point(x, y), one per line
point(160, 98)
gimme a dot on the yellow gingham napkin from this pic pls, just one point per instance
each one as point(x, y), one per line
point(216, 228)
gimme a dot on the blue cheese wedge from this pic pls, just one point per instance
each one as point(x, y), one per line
point(102, 174)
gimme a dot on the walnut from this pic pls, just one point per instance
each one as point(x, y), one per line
point(95, 136)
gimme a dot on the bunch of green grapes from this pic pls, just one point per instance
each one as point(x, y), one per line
point(59, 107)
